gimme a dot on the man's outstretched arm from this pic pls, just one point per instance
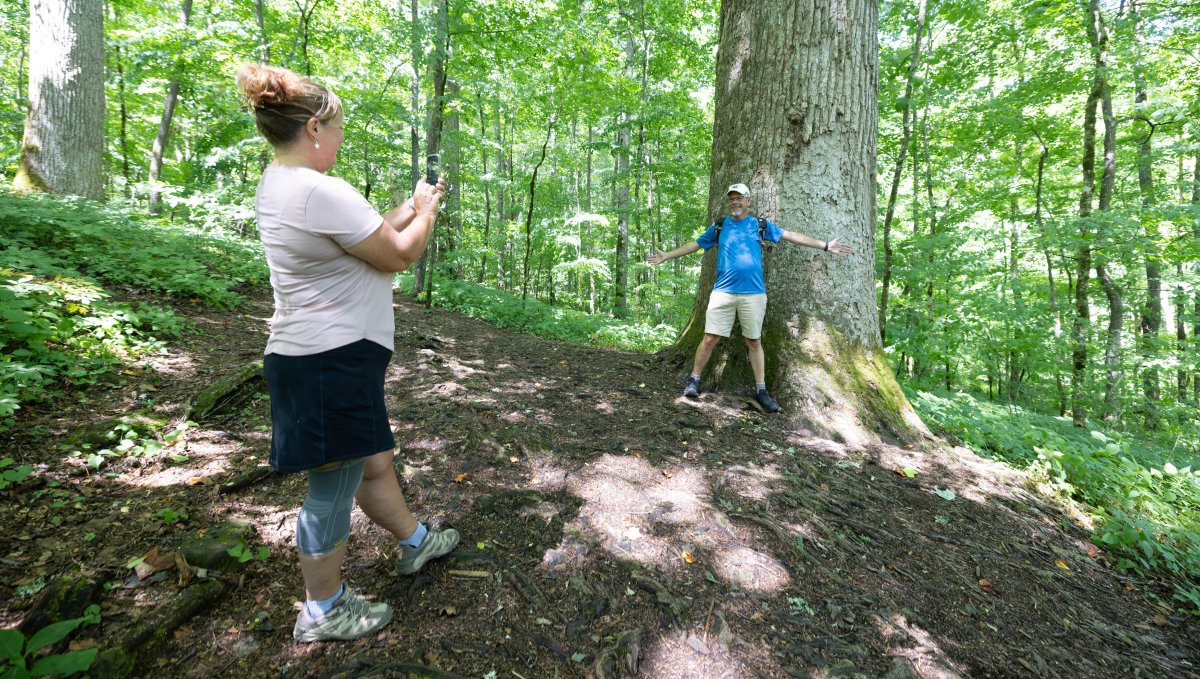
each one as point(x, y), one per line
point(834, 246)
point(660, 257)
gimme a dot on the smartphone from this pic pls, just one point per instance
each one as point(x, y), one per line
point(431, 167)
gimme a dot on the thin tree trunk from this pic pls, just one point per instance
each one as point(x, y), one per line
point(1152, 314)
point(263, 43)
point(164, 124)
point(122, 134)
point(529, 211)
point(487, 192)
point(1116, 311)
point(905, 136)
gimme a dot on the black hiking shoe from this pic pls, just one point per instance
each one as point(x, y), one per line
point(692, 388)
point(764, 399)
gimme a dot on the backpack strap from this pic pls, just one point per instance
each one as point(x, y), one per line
point(762, 235)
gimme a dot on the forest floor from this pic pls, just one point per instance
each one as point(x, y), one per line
point(608, 524)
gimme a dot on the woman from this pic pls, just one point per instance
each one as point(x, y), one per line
point(332, 257)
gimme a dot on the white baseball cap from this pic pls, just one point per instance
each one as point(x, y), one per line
point(739, 188)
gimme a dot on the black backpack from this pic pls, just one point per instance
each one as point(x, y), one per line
point(762, 232)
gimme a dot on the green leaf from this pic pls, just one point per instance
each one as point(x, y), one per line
point(909, 472)
point(65, 664)
point(52, 634)
point(11, 642)
point(945, 494)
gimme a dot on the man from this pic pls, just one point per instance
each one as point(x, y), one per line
point(740, 291)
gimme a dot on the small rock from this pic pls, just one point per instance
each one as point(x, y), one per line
point(697, 645)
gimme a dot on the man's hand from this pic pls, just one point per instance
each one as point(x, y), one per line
point(839, 248)
point(656, 258)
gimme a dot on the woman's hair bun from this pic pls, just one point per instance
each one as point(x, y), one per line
point(264, 85)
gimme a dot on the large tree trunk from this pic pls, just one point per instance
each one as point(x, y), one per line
point(63, 148)
point(164, 124)
point(796, 119)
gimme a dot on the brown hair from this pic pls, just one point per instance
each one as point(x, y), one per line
point(283, 101)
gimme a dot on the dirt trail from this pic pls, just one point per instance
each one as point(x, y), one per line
point(607, 523)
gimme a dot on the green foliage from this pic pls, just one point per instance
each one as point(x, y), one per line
point(61, 261)
point(130, 440)
point(243, 553)
point(1145, 507)
point(16, 652)
point(509, 311)
point(14, 475)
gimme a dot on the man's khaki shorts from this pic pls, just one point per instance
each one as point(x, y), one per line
point(723, 307)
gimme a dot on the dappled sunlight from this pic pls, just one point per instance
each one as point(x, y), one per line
point(968, 475)
point(441, 390)
point(908, 641)
point(688, 654)
point(209, 458)
point(659, 517)
point(751, 570)
point(753, 483)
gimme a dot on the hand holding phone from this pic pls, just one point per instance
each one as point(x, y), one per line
point(431, 168)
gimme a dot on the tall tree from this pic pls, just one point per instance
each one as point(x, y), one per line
point(905, 137)
point(63, 148)
point(796, 119)
point(164, 125)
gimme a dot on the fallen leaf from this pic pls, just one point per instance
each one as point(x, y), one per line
point(200, 481)
point(945, 494)
point(987, 586)
point(1160, 619)
point(151, 562)
point(514, 458)
point(666, 473)
point(449, 611)
point(1129, 588)
point(183, 633)
point(687, 556)
point(825, 487)
point(1062, 564)
point(459, 478)
point(1093, 551)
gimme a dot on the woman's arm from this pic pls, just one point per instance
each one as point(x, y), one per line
point(390, 248)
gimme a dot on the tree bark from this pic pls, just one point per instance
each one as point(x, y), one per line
point(796, 119)
point(63, 147)
point(164, 124)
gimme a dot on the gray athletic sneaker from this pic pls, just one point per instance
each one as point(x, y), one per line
point(351, 617)
point(436, 543)
point(692, 388)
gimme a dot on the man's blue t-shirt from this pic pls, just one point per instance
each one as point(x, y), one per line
point(739, 255)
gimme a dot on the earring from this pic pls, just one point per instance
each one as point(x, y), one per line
point(317, 145)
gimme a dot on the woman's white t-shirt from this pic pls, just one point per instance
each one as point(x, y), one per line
point(324, 297)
